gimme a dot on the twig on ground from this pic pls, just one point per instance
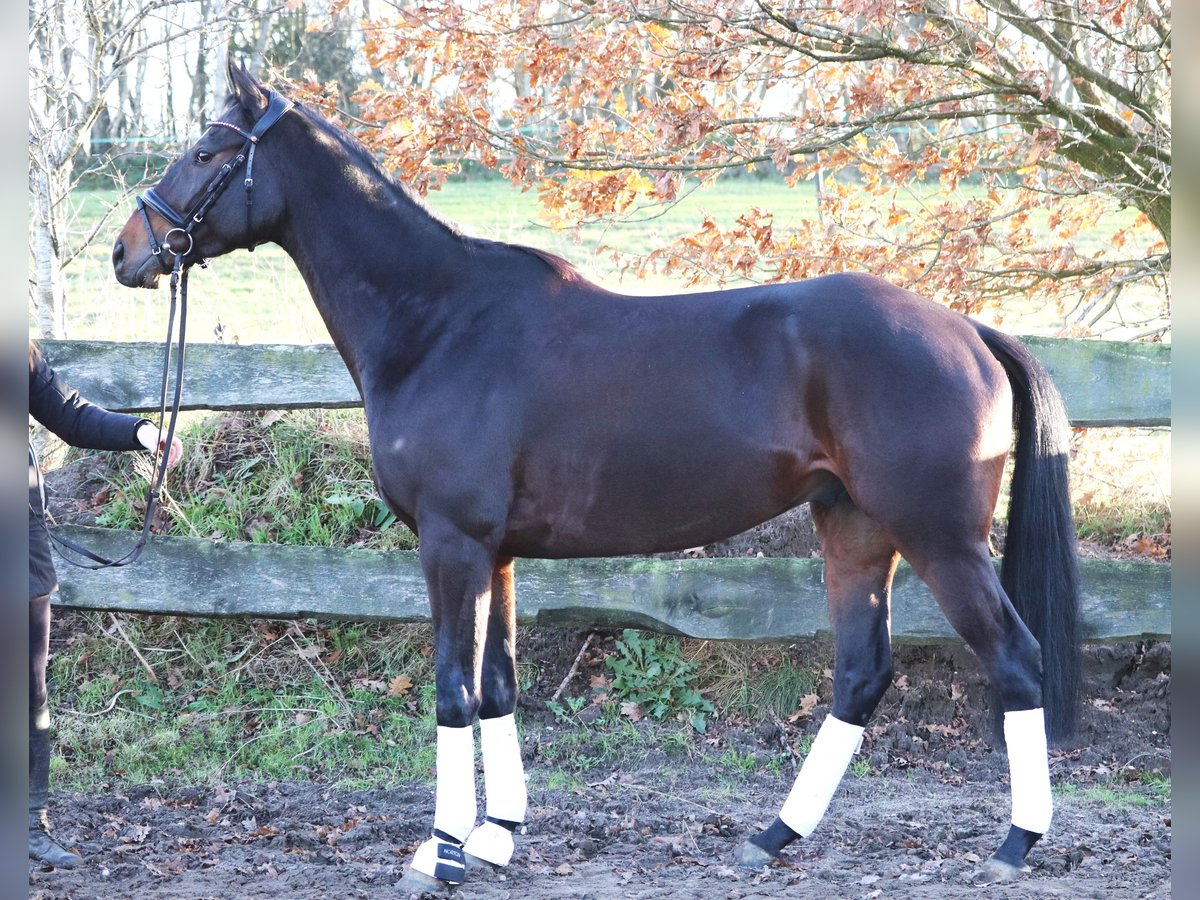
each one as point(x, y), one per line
point(327, 678)
point(574, 667)
point(107, 709)
point(136, 652)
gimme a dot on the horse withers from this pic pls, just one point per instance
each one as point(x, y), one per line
point(517, 410)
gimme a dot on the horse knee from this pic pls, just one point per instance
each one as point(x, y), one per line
point(499, 680)
point(457, 705)
point(500, 699)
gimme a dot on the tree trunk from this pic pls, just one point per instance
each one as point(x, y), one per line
point(47, 288)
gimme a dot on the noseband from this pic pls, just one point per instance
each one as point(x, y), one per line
point(183, 223)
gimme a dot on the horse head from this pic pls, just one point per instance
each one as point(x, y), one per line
point(220, 195)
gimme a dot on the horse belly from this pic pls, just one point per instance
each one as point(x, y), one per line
point(638, 501)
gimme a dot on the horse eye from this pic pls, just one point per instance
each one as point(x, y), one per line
point(203, 156)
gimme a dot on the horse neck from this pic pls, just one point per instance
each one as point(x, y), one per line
point(379, 267)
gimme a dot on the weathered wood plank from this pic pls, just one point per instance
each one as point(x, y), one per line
point(1103, 382)
point(742, 599)
point(1109, 382)
point(127, 377)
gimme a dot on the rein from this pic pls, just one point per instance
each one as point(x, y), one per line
point(182, 223)
point(178, 286)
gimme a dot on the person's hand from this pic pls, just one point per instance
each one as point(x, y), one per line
point(152, 439)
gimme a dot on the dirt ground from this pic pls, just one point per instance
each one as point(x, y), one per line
point(933, 806)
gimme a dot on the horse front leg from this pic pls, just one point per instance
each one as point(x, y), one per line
point(503, 773)
point(458, 573)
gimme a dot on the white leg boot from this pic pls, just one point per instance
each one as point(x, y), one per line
point(504, 786)
point(441, 856)
point(832, 749)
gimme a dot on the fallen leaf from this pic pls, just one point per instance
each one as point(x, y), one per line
point(135, 834)
point(399, 686)
point(564, 869)
point(631, 710)
point(333, 657)
point(807, 704)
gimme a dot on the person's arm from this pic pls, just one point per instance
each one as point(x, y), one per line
point(74, 419)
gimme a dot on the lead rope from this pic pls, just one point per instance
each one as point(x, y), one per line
point(179, 278)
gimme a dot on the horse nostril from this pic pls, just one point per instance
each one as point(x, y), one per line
point(118, 253)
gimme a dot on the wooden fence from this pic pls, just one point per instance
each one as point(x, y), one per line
point(1103, 384)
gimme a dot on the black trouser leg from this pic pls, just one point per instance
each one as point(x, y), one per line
point(39, 706)
point(42, 847)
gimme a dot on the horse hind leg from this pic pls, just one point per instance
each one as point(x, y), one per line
point(968, 591)
point(859, 564)
point(491, 841)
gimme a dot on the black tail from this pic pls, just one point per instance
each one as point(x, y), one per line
point(1040, 570)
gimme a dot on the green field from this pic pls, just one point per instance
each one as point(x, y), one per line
point(259, 297)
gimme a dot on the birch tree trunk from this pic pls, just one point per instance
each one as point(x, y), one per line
point(78, 51)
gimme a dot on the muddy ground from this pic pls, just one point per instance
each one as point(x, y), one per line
point(932, 807)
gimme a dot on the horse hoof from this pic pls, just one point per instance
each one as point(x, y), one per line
point(752, 856)
point(996, 871)
point(418, 884)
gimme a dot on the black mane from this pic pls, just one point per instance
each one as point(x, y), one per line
point(363, 157)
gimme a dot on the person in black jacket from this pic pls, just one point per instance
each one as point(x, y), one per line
point(81, 424)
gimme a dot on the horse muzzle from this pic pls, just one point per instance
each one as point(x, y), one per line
point(132, 271)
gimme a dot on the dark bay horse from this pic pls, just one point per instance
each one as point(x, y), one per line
point(516, 410)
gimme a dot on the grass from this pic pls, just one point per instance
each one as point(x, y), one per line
point(237, 700)
point(260, 298)
point(1121, 477)
point(300, 478)
point(1118, 796)
point(268, 699)
point(752, 680)
point(242, 698)
point(1121, 488)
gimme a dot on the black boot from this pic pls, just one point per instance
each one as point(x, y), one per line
point(44, 848)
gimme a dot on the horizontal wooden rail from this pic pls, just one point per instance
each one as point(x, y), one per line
point(739, 599)
point(1104, 383)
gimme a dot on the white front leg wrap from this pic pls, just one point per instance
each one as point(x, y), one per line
point(454, 812)
point(832, 749)
point(456, 808)
point(1029, 769)
point(504, 785)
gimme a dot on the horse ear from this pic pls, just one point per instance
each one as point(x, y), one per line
point(249, 93)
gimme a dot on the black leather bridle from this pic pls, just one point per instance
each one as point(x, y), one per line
point(183, 223)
